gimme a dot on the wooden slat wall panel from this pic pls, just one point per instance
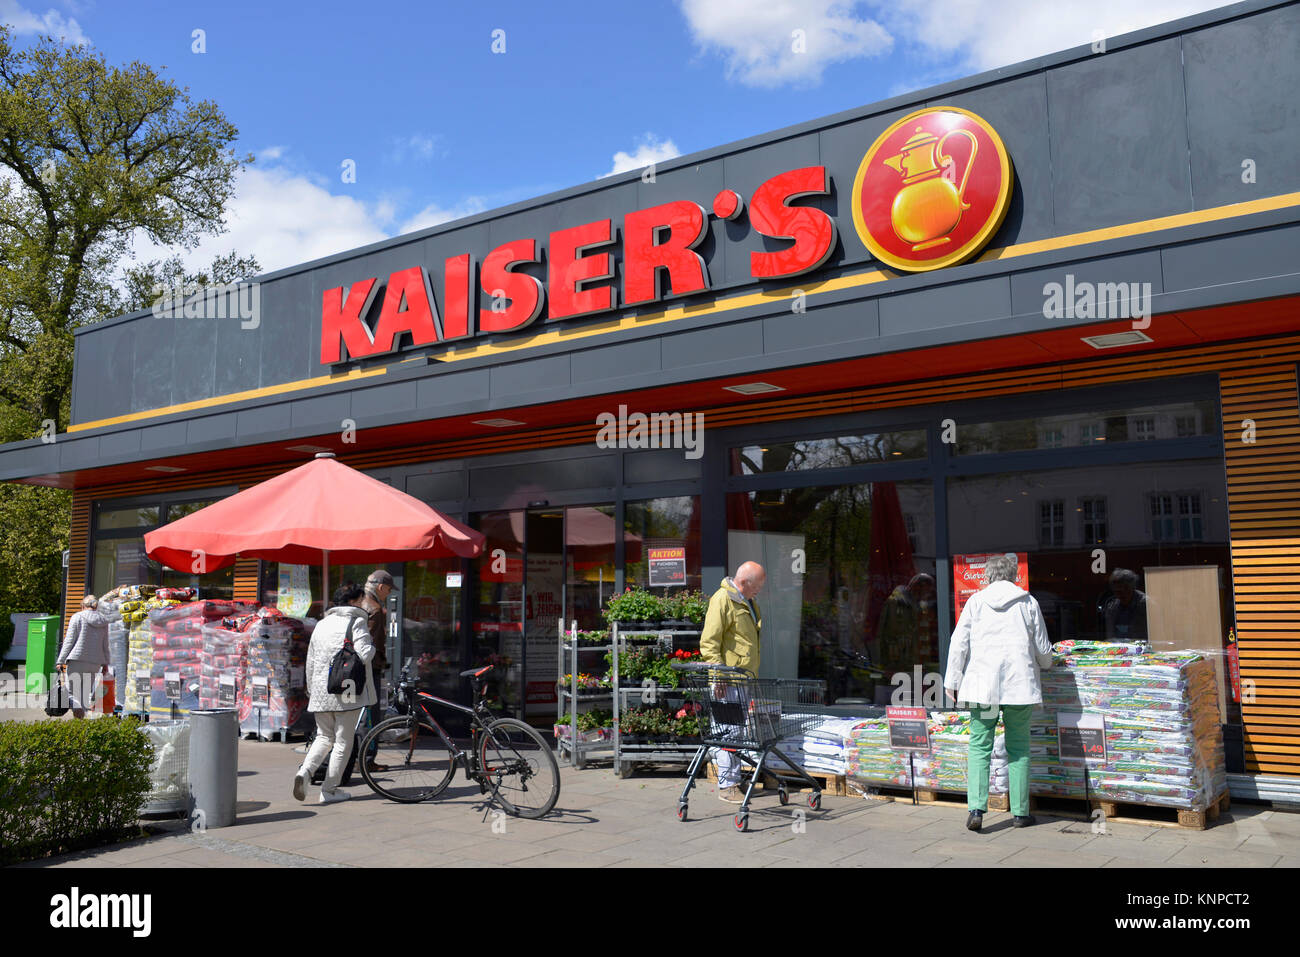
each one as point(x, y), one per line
point(246, 580)
point(78, 555)
point(1263, 514)
point(1257, 382)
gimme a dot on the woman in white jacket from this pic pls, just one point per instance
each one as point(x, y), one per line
point(336, 715)
point(993, 661)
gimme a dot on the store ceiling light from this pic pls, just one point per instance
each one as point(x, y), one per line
point(309, 449)
point(754, 388)
point(162, 468)
point(1113, 340)
point(498, 423)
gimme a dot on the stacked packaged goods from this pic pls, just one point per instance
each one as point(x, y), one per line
point(133, 607)
point(871, 761)
point(177, 630)
point(276, 652)
point(822, 750)
point(223, 653)
point(111, 608)
point(1163, 736)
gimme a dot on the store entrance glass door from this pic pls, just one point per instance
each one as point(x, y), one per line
point(539, 566)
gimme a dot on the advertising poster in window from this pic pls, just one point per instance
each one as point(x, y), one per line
point(968, 576)
point(667, 565)
point(131, 569)
point(295, 590)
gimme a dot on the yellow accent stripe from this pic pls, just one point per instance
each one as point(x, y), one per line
point(454, 353)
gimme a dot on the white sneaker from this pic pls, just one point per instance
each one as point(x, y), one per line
point(334, 797)
point(300, 784)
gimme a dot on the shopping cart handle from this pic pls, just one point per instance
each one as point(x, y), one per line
point(708, 666)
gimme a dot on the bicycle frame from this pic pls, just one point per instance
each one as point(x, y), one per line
point(480, 717)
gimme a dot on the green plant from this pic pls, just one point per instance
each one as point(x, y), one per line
point(635, 604)
point(694, 606)
point(68, 785)
point(591, 720)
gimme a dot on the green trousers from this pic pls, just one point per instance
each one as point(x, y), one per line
point(983, 729)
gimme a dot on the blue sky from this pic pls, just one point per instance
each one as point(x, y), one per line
point(440, 126)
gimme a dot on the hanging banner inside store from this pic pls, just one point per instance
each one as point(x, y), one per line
point(667, 565)
point(294, 597)
point(131, 569)
point(968, 576)
point(930, 192)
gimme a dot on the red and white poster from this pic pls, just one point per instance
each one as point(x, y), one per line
point(968, 576)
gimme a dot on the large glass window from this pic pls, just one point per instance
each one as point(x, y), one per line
point(653, 529)
point(837, 451)
point(850, 595)
point(118, 556)
point(1186, 419)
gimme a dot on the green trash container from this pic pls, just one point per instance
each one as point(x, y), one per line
point(42, 649)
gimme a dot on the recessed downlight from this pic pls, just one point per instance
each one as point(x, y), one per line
point(498, 423)
point(162, 468)
point(309, 449)
point(1113, 340)
point(754, 388)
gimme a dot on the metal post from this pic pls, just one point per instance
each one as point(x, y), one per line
point(214, 764)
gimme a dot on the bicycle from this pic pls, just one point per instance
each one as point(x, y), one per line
point(415, 759)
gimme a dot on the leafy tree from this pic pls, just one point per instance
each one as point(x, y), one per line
point(90, 156)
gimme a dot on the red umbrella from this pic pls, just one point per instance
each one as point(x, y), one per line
point(317, 513)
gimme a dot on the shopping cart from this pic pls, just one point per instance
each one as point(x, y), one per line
point(741, 713)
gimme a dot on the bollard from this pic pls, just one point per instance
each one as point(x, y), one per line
point(214, 765)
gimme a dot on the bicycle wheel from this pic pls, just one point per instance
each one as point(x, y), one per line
point(518, 766)
point(417, 761)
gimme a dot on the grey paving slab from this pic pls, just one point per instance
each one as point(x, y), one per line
point(1039, 857)
point(1221, 857)
point(572, 858)
point(1135, 852)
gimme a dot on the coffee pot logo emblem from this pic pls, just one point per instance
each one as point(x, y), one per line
point(932, 189)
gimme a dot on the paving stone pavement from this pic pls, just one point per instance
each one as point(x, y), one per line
point(602, 821)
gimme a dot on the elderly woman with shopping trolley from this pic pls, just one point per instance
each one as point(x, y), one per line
point(993, 661)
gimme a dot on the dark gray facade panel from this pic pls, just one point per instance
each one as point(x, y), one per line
point(1245, 256)
point(1231, 117)
point(841, 149)
point(18, 462)
point(450, 389)
point(820, 327)
point(660, 465)
point(74, 453)
point(614, 362)
point(945, 306)
point(194, 361)
point(286, 311)
point(125, 442)
point(101, 373)
point(166, 439)
point(211, 428)
point(1027, 288)
point(745, 172)
point(1119, 138)
point(715, 344)
point(238, 354)
point(323, 414)
point(531, 375)
point(1018, 111)
point(437, 486)
point(150, 372)
point(518, 485)
point(265, 421)
point(381, 401)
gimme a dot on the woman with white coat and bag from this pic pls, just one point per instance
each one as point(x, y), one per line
point(997, 649)
point(336, 714)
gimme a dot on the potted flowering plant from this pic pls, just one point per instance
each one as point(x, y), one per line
point(635, 608)
point(694, 606)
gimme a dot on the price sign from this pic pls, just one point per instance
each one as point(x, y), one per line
point(142, 683)
point(1081, 737)
point(453, 579)
point(261, 692)
point(909, 729)
point(297, 676)
point(226, 691)
point(667, 566)
point(172, 685)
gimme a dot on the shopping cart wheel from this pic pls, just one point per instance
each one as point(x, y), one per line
point(815, 800)
point(783, 796)
point(742, 820)
point(681, 811)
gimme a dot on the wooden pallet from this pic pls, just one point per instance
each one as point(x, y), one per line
point(833, 784)
point(997, 802)
point(1123, 812)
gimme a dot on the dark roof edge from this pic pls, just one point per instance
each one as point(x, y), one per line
point(917, 97)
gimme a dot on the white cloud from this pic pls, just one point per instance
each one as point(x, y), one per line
point(783, 41)
point(51, 22)
point(649, 149)
point(983, 35)
point(965, 36)
point(270, 153)
point(418, 147)
point(434, 214)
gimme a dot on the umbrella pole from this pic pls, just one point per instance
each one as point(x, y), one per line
point(325, 580)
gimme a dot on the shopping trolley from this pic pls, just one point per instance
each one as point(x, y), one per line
point(741, 713)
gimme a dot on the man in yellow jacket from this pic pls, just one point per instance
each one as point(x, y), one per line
point(732, 629)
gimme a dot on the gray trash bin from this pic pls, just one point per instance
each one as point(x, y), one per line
point(214, 765)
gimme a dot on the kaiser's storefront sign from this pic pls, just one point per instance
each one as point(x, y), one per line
point(930, 192)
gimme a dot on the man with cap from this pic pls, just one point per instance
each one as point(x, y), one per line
point(375, 604)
